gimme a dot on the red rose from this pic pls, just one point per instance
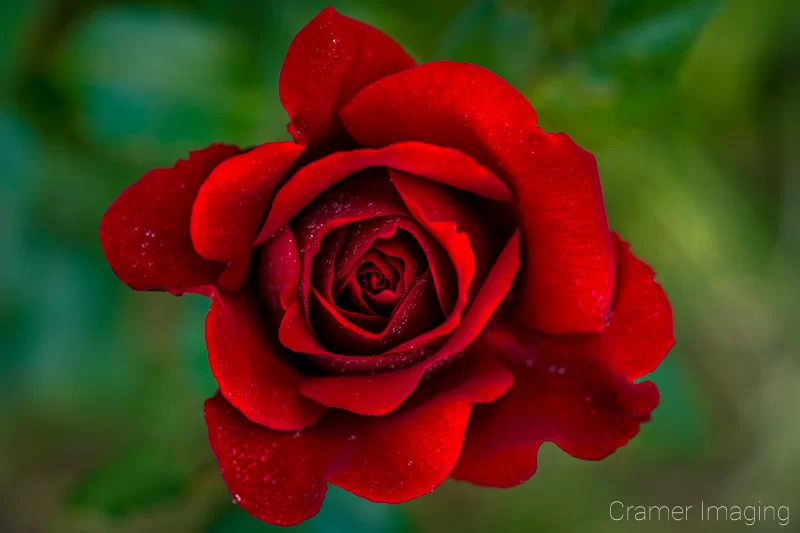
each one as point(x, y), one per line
point(422, 285)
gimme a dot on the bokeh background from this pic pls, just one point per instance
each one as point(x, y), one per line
point(691, 108)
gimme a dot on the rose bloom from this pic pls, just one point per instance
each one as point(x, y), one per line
point(422, 285)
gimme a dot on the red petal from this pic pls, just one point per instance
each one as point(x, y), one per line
point(640, 332)
point(247, 362)
point(232, 202)
point(295, 334)
point(443, 165)
point(279, 272)
point(355, 296)
point(383, 301)
point(379, 394)
point(323, 262)
point(569, 275)
point(489, 298)
point(578, 404)
point(641, 329)
point(281, 477)
point(575, 391)
point(350, 365)
point(145, 232)
point(441, 210)
point(373, 323)
point(329, 61)
point(445, 273)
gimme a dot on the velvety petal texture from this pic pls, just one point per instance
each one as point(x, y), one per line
point(145, 232)
point(581, 406)
point(328, 62)
point(444, 165)
point(232, 202)
point(555, 183)
point(281, 477)
point(577, 392)
point(252, 368)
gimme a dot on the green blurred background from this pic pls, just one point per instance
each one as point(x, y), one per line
point(693, 112)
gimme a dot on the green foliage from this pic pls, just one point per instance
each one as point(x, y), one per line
point(681, 424)
point(119, 69)
point(140, 477)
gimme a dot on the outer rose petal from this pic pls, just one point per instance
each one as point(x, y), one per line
point(232, 202)
point(281, 477)
point(245, 358)
point(379, 394)
point(145, 232)
point(329, 61)
point(641, 305)
point(587, 411)
point(574, 391)
point(569, 274)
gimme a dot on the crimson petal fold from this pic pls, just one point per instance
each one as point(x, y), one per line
point(232, 203)
point(443, 165)
point(281, 477)
point(579, 404)
point(249, 364)
point(145, 233)
point(329, 61)
point(575, 391)
point(569, 267)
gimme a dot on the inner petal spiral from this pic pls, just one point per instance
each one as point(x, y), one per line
point(388, 263)
point(372, 278)
point(368, 304)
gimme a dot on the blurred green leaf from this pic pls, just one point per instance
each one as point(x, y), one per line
point(16, 19)
point(19, 160)
point(139, 478)
point(194, 360)
point(150, 83)
point(680, 423)
point(653, 48)
point(724, 77)
point(506, 38)
point(236, 520)
point(343, 512)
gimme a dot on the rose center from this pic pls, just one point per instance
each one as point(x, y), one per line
point(373, 282)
